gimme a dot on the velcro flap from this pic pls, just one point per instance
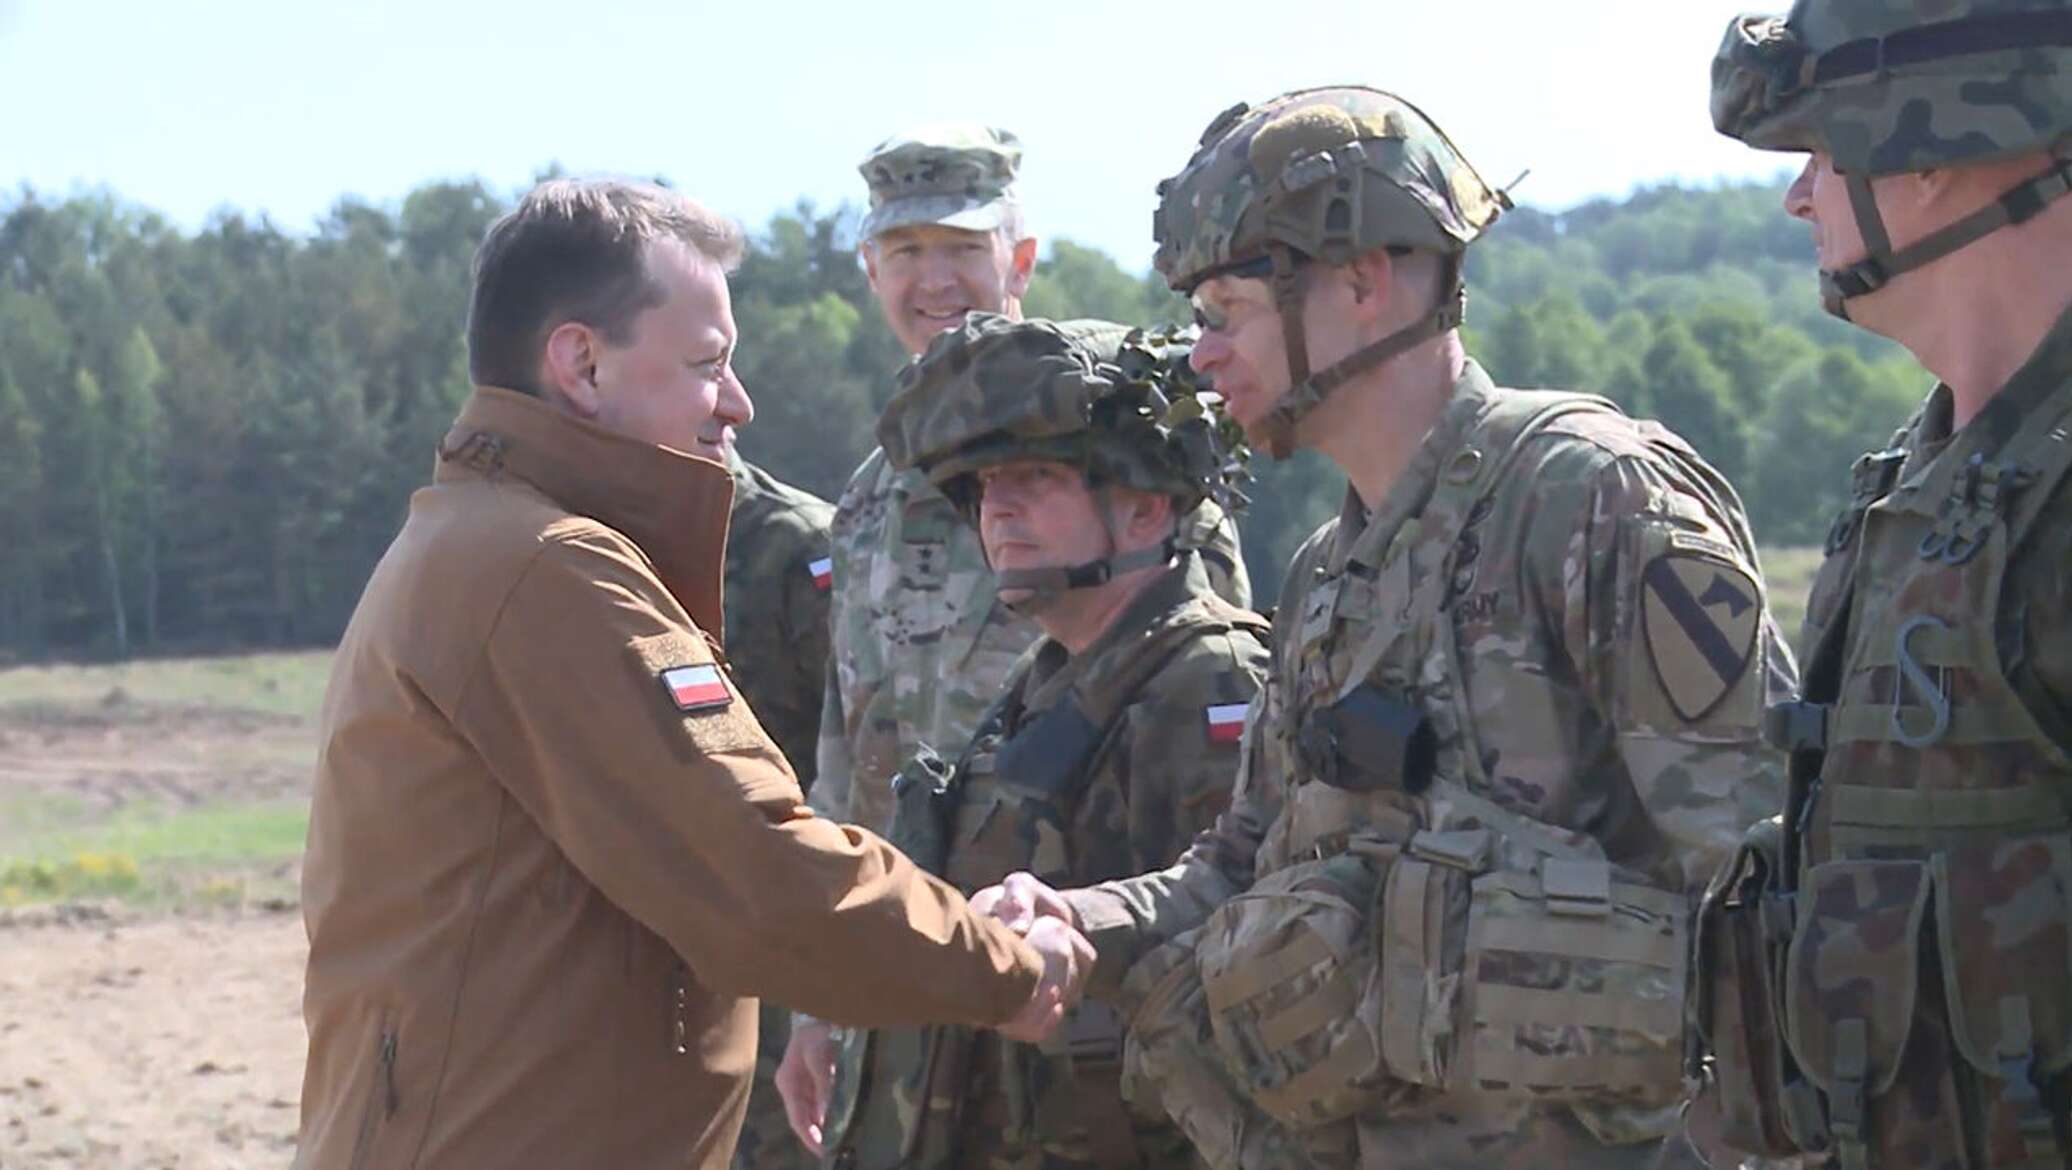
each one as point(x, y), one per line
point(1577, 886)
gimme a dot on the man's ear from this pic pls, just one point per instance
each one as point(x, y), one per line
point(571, 367)
point(1146, 519)
point(869, 252)
point(1022, 267)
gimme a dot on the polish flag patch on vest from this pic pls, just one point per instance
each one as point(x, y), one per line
point(1226, 721)
point(823, 571)
point(697, 688)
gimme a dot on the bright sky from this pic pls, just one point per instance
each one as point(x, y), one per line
point(282, 106)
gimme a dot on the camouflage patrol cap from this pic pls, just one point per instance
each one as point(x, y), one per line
point(1118, 402)
point(957, 174)
point(1329, 173)
point(1890, 86)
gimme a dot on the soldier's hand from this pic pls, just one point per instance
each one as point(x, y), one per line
point(1067, 961)
point(1022, 899)
point(804, 1078)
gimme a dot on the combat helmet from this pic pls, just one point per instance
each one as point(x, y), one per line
point(1120, 404)
point(1884, 87)
point(1321, 175)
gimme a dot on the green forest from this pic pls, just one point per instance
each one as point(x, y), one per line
point(208, 437)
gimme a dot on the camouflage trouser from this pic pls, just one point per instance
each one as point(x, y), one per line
point(767, 1142)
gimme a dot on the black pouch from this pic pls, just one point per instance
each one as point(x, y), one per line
point(924, 793)
point(1049, 754)
point(1370, 740)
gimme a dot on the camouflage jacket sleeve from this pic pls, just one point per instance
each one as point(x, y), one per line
point(1181, 764)
point(848, 554)
point(777, 618)
point(1125, 919)
point(1643, 568)
point(1213, 532)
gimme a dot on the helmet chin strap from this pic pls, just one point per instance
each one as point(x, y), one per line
point(1045, 586)
point(1306, 390)
point(2016, 205)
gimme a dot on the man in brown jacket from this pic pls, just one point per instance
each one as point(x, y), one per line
point(551, 852)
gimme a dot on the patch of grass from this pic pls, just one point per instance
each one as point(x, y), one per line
point(279, 683)
point(208, 855)
point(1789, 572)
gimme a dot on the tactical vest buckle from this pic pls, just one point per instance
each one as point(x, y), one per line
point(1796, 726)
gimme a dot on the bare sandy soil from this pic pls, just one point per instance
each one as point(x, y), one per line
point(164, 1036)
point(149, 1044)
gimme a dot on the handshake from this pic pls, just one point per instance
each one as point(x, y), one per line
point(1029, 908)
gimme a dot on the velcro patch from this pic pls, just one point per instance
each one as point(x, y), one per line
point(1699, 618)
point(697, 688)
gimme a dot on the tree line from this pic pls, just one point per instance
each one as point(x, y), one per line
point(207, 437)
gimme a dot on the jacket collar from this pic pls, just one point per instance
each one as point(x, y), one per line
point(673, 505)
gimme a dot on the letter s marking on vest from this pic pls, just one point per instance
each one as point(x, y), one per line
point(1931, 692)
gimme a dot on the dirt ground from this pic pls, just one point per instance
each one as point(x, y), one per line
point(151, 1043)
point(157, 1036)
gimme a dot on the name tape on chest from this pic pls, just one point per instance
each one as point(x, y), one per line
point(1226, 721)
point(823, 571)
point(697, 688)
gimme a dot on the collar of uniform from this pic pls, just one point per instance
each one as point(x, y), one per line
point(1363, 533)
point(673, 505)
point(2011, 407)
point(1052, 670)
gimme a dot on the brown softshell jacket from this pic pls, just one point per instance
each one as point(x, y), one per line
point(539, 890)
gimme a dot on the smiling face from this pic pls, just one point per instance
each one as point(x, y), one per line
point(1243, 349)
point(673, 382)
point(927, 277)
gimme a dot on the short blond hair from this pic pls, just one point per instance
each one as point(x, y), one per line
point(576, 250)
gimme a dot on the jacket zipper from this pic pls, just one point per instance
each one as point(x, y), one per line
point(382, 1091)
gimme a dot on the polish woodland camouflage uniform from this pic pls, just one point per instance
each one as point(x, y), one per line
point(776, 594)
point(1886, 972)
point(1091, 766)
point(921, 645)
point(1510, 730)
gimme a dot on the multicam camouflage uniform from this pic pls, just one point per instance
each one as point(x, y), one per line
point(1090, 766)
point(1887, 970)
point(1510, 730)
point(921, 645)
point(776, 597)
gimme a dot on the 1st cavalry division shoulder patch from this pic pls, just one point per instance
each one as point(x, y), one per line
point(1699, 617)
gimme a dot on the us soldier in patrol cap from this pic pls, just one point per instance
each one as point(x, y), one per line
point(921, 643)
point(1888, 966)
point(1511, 726)
point(1076, 449)
point(777, 582)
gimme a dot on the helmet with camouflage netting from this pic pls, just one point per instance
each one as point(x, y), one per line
point(1321, 175)
point(1885, 87)
point(1120, 404)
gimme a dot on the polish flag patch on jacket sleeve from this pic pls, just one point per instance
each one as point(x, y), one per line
point(697, 688)
point(1226, 721)
point(823, 571)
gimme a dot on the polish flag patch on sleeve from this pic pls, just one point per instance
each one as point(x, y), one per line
point(823, 571)
point(1226, 721)
point(697, 688)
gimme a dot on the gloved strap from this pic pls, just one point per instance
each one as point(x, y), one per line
point(2019, 204)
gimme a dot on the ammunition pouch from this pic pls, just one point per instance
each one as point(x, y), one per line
point(1368, 741)
point(924, 809)
point(1733, 1040)
point(1361, 982)
point(1986, 928)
